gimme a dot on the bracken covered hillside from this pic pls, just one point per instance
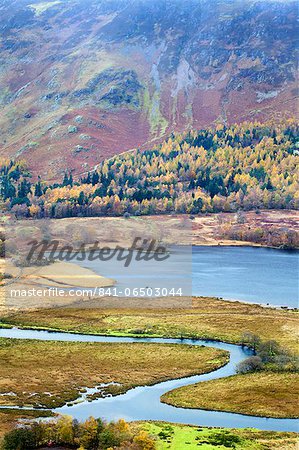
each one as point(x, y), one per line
point(82, 80)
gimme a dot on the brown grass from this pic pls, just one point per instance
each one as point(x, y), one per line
point(259, 394)
point(206, 318)
point(51, 373)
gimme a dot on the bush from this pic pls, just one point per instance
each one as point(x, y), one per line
point(251, 340)
point(268, 355)
point(268, 351)
point(19, 439)
point(221, 438)
point(108, 439)
point(252, 364)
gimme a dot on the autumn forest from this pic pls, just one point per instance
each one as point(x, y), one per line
point(241, 167)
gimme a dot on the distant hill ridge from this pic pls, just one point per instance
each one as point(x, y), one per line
point(83, 79)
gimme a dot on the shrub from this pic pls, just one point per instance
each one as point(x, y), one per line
point(251, 340)
point(268, 351)
point(19, 439)
point(268, 355)
point(225, 438)
point(252, 364)
point(221, 438)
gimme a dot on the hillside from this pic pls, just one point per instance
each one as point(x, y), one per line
point(242, 167)
point(82, 80)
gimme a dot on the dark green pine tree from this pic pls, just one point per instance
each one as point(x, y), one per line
point(71, 180)
point(38, 192)
point(81, 198)
point(65, 181)
point(95, 178)
point(8, 191)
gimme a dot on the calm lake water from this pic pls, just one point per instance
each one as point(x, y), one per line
point(257, 275)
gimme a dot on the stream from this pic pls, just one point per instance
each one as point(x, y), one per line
point(143, 402)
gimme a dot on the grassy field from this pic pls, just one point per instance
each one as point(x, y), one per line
point(178, 437)
point(50, 374)
point(259, 394)
point(202, 318)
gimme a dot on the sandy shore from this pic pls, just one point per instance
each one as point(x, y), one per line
point(58, 284)
point(58, 274)
point(67, 274)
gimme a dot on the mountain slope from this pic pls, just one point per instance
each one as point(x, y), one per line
point(81, 80)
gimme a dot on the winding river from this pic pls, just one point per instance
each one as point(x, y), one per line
point(244, 273)
point(143, 402)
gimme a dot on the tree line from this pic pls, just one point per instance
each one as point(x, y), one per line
point(226, 168)
point(93, 434)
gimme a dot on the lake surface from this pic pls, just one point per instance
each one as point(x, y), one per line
point(252, 274)
point(143, 402)
point(257, 275)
